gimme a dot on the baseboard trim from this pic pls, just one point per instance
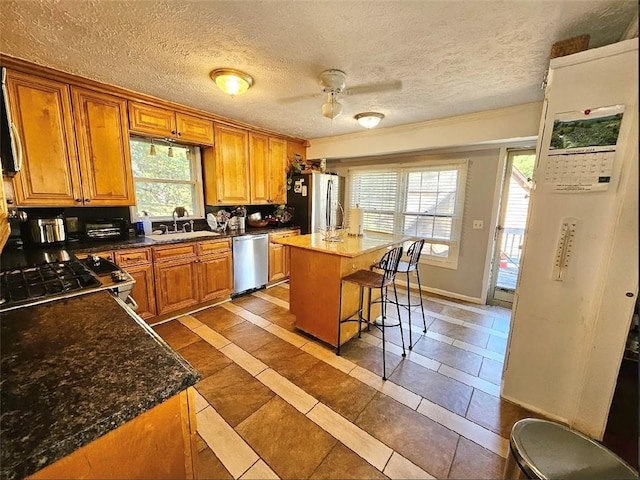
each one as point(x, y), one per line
point(542, 413)
point(444, 293)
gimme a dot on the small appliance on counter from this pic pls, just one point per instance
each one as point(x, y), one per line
point(45, 231)
point(106, 229)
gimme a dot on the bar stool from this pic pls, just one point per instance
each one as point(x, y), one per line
point(413, 252)
point(368, 279)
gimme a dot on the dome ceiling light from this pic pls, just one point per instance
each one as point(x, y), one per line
point(369, 119)
point(230, 81)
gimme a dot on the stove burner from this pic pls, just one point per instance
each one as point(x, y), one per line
point(23, 285)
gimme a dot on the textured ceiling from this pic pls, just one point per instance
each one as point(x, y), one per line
point(451, 57)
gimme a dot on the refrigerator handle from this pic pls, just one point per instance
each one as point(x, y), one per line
point(328, 204)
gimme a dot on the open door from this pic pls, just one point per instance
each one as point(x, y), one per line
point(511, 227)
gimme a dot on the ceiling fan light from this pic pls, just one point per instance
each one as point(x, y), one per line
point(232, 82)
point(369, 119)
point(331, 109)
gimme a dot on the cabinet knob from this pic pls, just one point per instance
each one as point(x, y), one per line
point(179, 134)
point(9, 201)
point(78, 200)
point(87, 200)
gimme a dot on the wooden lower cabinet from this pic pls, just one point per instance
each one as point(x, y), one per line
point(143, 292)
point(215, 277)
point(176, 284)
point(159, 443)
point(279, 256)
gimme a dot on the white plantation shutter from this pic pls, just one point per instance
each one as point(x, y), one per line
point(422, 201)
point(376, 193)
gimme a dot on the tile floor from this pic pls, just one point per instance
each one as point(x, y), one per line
point(275, 403)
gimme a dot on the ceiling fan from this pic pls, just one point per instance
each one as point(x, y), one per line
point(333, 83)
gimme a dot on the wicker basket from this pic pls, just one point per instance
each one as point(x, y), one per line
point(570, 45)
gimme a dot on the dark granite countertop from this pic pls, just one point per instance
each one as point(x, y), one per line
point(135, 242)
point(71, 371)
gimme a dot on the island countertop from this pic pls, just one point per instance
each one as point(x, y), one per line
point(74, 370)
point(349, 246)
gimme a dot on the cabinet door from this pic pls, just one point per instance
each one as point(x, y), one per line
point(232, 165)
point(41, 112)
point(194, 129)
point(277, 262)
point(277, 170)
point(176, 285)
point(103, 148)
point(153, 120)
point(259, 168)
point(215, 276)
point(143, 291)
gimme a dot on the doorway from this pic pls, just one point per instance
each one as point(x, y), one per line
point(510, 231)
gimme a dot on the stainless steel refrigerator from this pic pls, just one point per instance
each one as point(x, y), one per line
point(317, 199)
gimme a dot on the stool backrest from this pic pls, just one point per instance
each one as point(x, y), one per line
point(389, 263)
point(414, 252)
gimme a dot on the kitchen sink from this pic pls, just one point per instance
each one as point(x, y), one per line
point(181, 235)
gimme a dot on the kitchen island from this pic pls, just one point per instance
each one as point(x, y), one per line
point(316, 267)
point(90, 391)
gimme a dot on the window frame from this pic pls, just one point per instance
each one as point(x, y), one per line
point(196, 180)
point(400, 211)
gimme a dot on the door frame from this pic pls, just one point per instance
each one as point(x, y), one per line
point(507, 300)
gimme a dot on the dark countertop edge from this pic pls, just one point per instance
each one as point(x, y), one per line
point(140, 242)
point(67, 446)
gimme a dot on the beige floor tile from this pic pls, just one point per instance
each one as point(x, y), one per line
point(234, 393)
point(417, 438)
point(461, 332)
point(368, 447)
point(190, 322)
point(423, 361)
point(497, 344)
point(328, 356)
point(286, 335)
point(288, 391)
point(279, 292)
point(176, 334)
point(401, 468)
point(259, 471)
point(439, 337)
point(491, 371)
point(231, 307)
point(211, 336)
point(253, 318)
point(398, 393)
point(470, 380)
point(453, 356)
point(479, 351)
point(474, 462)
point(291, 444)
point(245, 360)
point(345, 464)
point(200, 401)
point(468, 429)
point(234, 453)
point(270, 298)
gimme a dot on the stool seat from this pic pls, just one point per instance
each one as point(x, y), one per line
point(368, 279)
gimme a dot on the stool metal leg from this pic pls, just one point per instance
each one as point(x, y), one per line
point(424, 322)
point(360, 311)
point(409, 310)
point(384, 351)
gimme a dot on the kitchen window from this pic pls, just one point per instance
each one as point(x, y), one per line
point(424, 201)
point(165, 179)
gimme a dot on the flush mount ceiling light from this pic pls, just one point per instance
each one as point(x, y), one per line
point(369, 119)
point(232, 82)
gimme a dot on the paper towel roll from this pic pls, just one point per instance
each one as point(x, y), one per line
point(356, 219)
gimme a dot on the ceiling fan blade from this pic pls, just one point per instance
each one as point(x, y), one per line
point(300, 98)
point(374, 88)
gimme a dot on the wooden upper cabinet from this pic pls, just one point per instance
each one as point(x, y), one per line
point(103, 148)
point(277, 170)
point(194, 129)
point(157, 121)
point(231, 167)
point(259, 167)
point(145, 118)
point(41, 112)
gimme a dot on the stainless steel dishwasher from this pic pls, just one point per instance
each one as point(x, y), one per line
point(250, 262)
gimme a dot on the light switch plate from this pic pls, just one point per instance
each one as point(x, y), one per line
point(478, 224)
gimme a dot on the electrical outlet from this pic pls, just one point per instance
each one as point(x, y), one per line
point(478, 224)
point(72, 224)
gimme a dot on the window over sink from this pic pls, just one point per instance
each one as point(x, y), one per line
point(166, 176)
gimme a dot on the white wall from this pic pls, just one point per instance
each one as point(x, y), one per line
point(475, 137)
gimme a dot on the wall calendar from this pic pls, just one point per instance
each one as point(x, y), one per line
point(582, 150)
